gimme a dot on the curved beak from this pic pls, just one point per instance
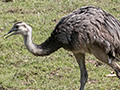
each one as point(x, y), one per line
point(5, 35)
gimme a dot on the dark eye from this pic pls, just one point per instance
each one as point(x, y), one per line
point(16, 27)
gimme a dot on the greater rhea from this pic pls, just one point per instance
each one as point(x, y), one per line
point(86, 30)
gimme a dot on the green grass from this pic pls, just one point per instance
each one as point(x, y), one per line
point(20, 70)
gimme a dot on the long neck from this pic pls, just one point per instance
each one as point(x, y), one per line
point(29, 43)
point(43, 49)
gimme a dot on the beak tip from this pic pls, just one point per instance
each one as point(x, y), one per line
point(5, 37)
point(5, 34)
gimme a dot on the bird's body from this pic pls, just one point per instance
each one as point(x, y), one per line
point(85, 30)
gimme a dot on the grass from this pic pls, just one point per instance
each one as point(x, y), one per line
point(20, 70)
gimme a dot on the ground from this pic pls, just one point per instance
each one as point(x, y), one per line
point(19, 69)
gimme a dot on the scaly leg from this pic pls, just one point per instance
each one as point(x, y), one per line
point(80, 57)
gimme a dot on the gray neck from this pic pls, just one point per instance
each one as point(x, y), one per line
point(43, 49)
point(29, 43)
point(37, 50)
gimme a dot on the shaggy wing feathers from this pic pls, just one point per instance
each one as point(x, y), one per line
point(62, 30)
point(90, 26)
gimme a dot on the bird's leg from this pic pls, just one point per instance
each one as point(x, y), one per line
point(80, 57)
point(115, 67)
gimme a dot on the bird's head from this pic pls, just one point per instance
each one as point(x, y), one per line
point(19, 28)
